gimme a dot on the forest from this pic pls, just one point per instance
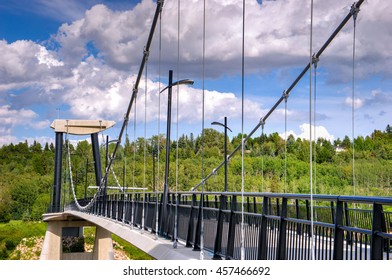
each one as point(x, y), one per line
point(271, 164)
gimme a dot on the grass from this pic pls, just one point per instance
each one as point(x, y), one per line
point(12, 233)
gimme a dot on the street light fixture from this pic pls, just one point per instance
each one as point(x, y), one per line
point(225, 146)
point(169, 105)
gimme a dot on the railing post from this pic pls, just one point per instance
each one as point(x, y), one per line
point(254, 205)
point(376, 249)
point(348, 222)
point(121, 208)
point(177, 217)
point(147, 198)
point(339, 233)
point(196, 244)
point(262, 248)
point(299, 231)
point(332, 212)
point(219, 229)
point(189, 236)
point(281, 253)
point(154, 228)
point(232, 224)
point(308, 228)
point(99, 205)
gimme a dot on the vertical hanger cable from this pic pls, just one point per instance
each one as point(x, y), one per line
point(202, 136)
point(310, 132)
point(242, 133)
point(177, 121)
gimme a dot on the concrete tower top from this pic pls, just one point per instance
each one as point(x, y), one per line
point(81, 127)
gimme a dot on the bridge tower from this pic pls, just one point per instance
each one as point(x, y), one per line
point(75, 127)
point(60, 224)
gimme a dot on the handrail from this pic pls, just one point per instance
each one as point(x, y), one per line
point(278, 228)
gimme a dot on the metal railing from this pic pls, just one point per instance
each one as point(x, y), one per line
point(277, 226)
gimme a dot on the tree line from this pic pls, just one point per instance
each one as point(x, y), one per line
point(271, 164)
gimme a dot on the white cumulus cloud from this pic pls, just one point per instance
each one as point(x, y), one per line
point(305, 129)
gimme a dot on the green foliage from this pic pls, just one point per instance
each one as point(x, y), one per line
point(12, 233)
point(73, 244)
point(5, 213)
point(271, 164)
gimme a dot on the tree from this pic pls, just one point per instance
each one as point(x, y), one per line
point(346, 143)
point(36, 147)
point(23, 196)
point(388, 129)
point(212, 139)
point(325, 151)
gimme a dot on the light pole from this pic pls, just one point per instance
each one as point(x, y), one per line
point(225, 146)
point(168, 126)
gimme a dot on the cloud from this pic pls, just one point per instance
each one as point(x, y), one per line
point(320, 132)
point(27, 63)
point(119, 37)
point(374, 99)
point(358, 102)
point(90, 69)
point(277, 35)
point(44, 57)
point(11, 118)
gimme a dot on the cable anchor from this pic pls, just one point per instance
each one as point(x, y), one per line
point(262, 123)
point(146, 53)
point(135, 90)
point(285, 95)
point(315, 60)
point(354, 11)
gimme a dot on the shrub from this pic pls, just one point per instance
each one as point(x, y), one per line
point(73, 244)
point(10, 244)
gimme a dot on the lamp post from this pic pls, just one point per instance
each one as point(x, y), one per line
point(168, 126)
point(225, 146)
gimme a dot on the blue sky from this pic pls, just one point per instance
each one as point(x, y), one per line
point(78, 60)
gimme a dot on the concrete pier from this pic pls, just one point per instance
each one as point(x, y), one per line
point(52, 248)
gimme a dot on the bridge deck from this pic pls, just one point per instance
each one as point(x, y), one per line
point(159, 248)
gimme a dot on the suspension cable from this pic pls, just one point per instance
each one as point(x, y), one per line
point(288, 91)
point(159, 128)
point(315, 62)
point(125, 196)
point(80, 207)
point(132, 100)
point(310, 133)
point(242, 133)
point(202, 135)
point(262, 157)
point(177, 121)
point(145, 144)
point(285, 140)
point(134, 165)
point(354, 12)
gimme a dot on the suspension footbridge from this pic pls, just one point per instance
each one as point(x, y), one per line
point(197, 224)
